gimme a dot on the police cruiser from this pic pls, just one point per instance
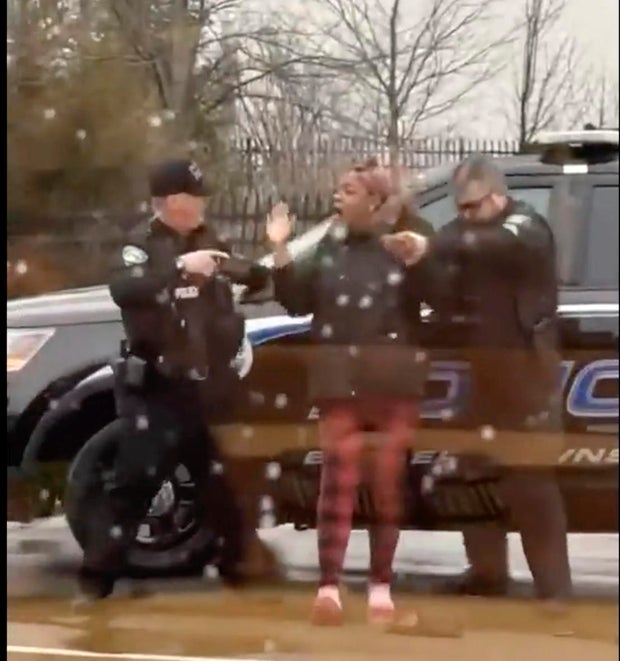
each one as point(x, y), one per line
point(59, 348)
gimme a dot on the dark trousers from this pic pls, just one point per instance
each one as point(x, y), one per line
point(166, 424)
point(342, 441)
point(508, 389)
point(537, 510)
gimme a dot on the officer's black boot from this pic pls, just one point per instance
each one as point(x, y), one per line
point(486, 548)
point(94, 585)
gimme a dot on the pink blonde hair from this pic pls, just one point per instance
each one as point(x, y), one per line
point(386, 183)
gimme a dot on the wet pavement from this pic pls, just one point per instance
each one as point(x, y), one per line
point(179, 619)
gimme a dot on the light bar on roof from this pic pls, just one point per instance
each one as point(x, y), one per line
point(607, 137)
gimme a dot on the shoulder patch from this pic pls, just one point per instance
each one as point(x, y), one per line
point(517, 219)
point(514, 222)
point(132, 256)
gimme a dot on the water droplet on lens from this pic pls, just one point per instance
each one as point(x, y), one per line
point(342, 300)
point(256, 398)
point(21, 267)
point(162, 297)
point(142, 422)
point(154, 121)
point(365, 302)
point(327, 330)
point(339, 232)
point(49, 113)
point(469, 238)
point(137, 272)
point(394, 277)
point(80, 134)
point(427, 484)
point(281, 401)
point(116, 532)
point(273, 470)
point(487, 433)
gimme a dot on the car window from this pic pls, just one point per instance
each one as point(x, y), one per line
point(601, 268)
point(439, 212)
point(442, 211)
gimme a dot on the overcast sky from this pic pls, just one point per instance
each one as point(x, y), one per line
point(593, 23)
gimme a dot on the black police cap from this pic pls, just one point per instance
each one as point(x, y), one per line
point(177, 176)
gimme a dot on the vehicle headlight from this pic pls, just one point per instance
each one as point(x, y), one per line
point(23, 344)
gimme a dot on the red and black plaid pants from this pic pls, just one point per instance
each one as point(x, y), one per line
point(341, 428)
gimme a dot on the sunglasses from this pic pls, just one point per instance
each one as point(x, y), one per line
point(471, 205)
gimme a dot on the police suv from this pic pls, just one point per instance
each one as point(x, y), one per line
point(59, 348)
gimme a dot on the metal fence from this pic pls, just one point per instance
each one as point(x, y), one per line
point(313, 164)
point(77, 251)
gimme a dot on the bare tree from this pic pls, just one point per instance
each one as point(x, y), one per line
point(286, 121)
point(549, 89)
point(405, 64)
point(605, 101)
point(198, 53)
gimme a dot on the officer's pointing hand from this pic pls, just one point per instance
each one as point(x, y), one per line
point(279, 224)
point(202, 262)
point(409, 247)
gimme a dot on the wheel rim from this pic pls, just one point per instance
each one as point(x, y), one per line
point(173, 515)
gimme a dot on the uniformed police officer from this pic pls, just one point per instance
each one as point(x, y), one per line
point(176, 370)
point(499, 297)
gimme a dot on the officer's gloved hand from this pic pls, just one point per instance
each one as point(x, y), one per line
point(202, 262)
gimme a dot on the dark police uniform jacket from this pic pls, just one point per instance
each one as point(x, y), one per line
point(500, 296)
point(176, 321)
point(366, 307)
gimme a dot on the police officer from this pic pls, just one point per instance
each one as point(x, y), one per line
point(499, 296)
point(175, 373)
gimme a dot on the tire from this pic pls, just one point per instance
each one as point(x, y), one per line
point(188, 547)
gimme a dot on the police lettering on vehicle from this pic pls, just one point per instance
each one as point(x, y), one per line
point(582, 400)
point(584, 397)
